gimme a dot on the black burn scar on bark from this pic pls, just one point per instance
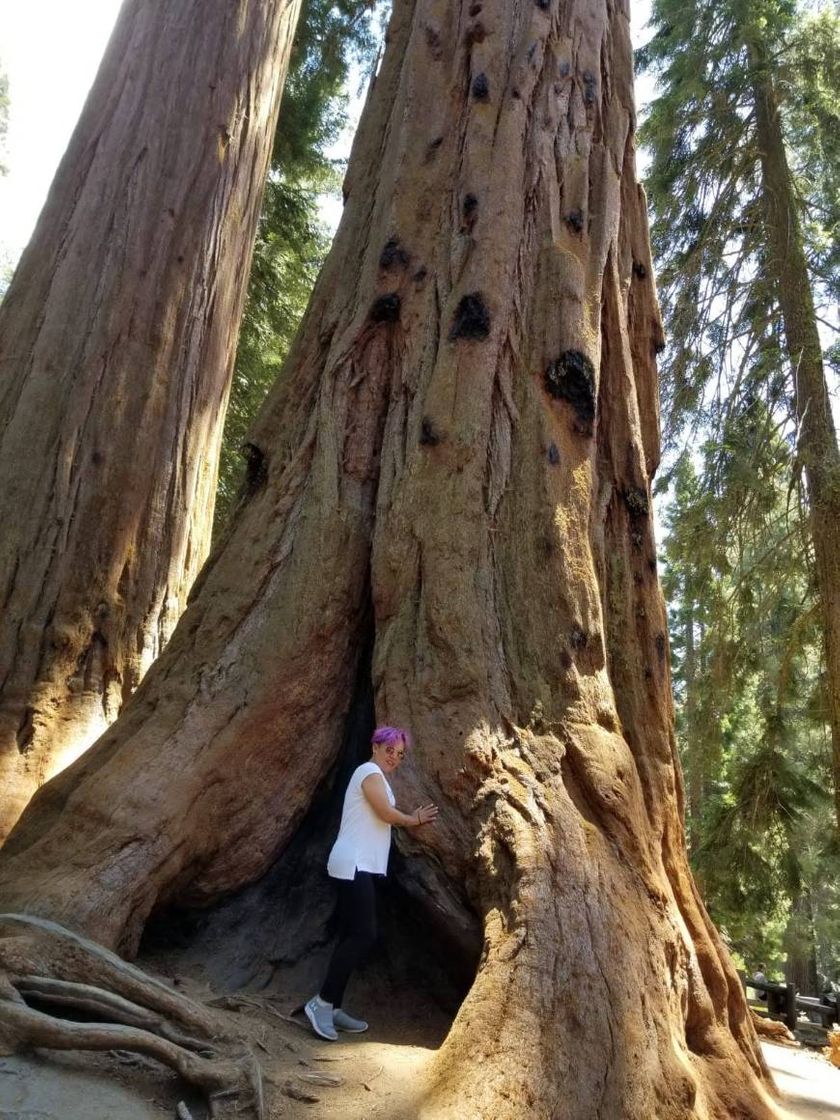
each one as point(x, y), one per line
point(639, 270)
point(574, 220)
point(469, 211)
point(428, 436)
point(433, 43)
point(589, 84)
point(256, 468)
point(572, 379)
point(480, 87)
point(393, 255)
point(578, 638)
point(553, 454)
point(661, 646)
point(386, 309)
point(472, 319)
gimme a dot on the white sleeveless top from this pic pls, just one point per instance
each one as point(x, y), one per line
point(364, 839)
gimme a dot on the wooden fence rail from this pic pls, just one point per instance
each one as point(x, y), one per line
point(784, 1003)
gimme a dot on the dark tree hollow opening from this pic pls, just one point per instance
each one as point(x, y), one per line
point(275, 935)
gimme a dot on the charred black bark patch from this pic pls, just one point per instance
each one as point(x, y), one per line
point(469, 211)
point(659, 345)
point(420, 275)
point(476, 33)
point(475, 9)
point(433, 43)
point(393, 255)
point(572, 379)
point(639, 270)
point(589, 86)
point(256, 467)
point(480, 87)
point(553, 454)
point(578, 638)
point(472, 319)
point(661, 646)
point(428, 436)
point(636, 500)
point(544, 5)
point(574, 220)
point(386, 309)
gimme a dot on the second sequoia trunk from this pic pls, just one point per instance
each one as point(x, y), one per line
point(458, 454)
point(117, 340)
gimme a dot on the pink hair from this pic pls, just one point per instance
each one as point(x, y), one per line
point(391, 736)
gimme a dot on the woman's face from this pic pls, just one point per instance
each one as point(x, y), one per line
point(388, 756)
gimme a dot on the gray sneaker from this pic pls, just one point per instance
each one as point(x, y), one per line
point(320, 1015)
point(345, 1022)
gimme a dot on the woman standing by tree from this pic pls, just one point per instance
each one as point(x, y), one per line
point(359, 855)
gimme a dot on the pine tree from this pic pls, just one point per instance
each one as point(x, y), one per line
point(742, 182)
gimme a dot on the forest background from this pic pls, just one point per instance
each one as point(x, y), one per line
point(736, 550)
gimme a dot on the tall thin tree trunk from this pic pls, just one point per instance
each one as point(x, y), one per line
point(458, 456)
point(817, 445)
point(696, 767)
point(801, 944)
point(117, 339)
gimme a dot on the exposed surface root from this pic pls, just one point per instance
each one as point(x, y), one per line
point(772, 1030)
point(60, 991)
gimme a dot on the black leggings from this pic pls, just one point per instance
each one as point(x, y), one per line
point(357, 933)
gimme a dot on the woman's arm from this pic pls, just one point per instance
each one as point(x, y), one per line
point(374, 790)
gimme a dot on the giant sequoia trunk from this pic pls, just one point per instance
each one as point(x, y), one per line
point(817, 442)
point(117, 339)
point(455, 467)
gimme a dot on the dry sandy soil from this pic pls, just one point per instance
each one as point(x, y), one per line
point(376, 1076)
point(810, 1085)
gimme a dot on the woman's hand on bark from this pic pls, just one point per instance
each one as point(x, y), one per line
point(425, 814)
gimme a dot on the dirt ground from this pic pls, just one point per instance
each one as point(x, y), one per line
point(810, 1085)
point(376, 1076)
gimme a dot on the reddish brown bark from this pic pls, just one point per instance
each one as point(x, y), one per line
point(117, 339)
point(458, 455)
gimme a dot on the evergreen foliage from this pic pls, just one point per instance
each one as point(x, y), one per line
point(746, 640)
point(709, 233)
point(750, 708)
point(332, 39)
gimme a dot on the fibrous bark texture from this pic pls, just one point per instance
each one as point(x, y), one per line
point(117, 339)
point(456, 464)
point(817, 438)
